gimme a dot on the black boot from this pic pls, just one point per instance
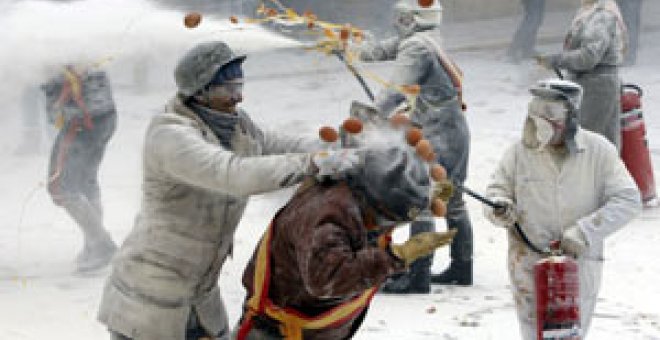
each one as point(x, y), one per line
point(458, 273)
point(416, 281)
point(404, 285)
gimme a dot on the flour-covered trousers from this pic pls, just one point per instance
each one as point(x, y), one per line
point(73, 174)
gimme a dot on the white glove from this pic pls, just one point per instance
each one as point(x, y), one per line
point(334, 164)
point(573, 241)
point(503, 217)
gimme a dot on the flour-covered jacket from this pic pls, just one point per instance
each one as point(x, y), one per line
point(438, 110)
point(194, 194)
point(593, 51)
point(596, 37)
point(416, 63)
point(592, 189)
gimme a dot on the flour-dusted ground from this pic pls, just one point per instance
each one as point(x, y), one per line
point(293, 91)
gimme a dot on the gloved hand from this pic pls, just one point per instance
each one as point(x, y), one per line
point(505, 216)
point(420, 245)
point(333, 164)
point(573, 241)
point(443, 190)
point(550, 61)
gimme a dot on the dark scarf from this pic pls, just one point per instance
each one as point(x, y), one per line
point(222, 124)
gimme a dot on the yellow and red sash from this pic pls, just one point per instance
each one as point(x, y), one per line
point(293, 322)
point(451, 68)
point(72, 90)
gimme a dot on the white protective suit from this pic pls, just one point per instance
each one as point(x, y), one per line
point(194, 194)
point(590, 188)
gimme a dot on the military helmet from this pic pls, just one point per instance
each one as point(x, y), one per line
point(197, 67)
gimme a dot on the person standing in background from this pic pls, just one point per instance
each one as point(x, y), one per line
point(593, 51)
point(79, 103)
point(524, 40)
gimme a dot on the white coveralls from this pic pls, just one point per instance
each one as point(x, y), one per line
point(590, 188)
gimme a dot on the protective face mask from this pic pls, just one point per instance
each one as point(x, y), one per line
point(548, 117)
point(223, 97)
point(545, 132)
point(404, 23)
point(228, 89)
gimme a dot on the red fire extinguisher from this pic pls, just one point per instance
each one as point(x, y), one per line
point(634, 144)
point(557, 287)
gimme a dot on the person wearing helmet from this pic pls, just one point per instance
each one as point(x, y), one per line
point(593, 52)
point(80, 106)
point(327, 250)
point(202, 158)
point(420, 61)
point(559, 182)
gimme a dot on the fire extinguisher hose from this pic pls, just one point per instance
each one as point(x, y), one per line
point(516, 226)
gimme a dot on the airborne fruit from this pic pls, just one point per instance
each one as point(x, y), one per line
point(439, 208)
point(399, 119)
point(192, 19)
point(352, 125)
point(328, 134)
point(424, 149)
point(425, 3)
point(413, 136)
point(438, 172)
point(345, 32)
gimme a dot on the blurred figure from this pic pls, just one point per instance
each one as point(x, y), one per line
point(203, 158)
point(631, 10)
point(593, 52)
point(559, 183)
point(524, 40)
point(420, 61)
point(327, 250)
point(80, 104)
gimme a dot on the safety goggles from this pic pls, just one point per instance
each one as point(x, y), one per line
point(553, 111)
point(228, 88)
point(555, 124)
